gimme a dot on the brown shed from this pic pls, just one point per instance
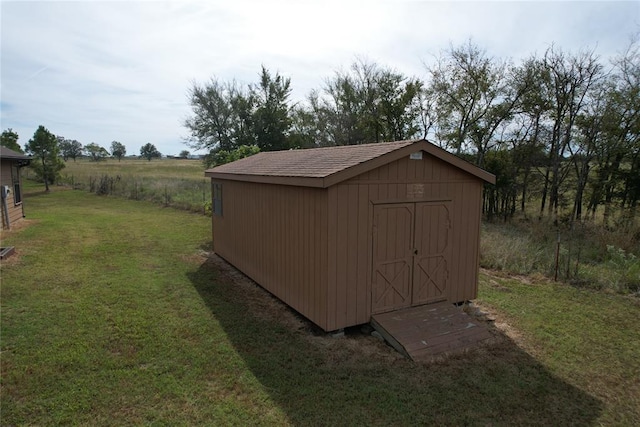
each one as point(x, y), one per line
point(341, 233)
point(11, 185)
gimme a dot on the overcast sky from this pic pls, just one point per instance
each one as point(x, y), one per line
point(99, 71)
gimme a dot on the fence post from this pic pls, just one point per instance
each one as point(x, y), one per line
point(555, 277)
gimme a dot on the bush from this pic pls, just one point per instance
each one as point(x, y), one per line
point(625, 269)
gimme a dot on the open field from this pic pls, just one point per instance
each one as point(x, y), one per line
point(171, 182)
point(114, 312)
point(188, 169)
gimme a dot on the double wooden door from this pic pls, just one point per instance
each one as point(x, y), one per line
point(411, 254)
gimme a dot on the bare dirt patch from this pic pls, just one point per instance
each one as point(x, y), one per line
point(498, 321)
point(16, 227)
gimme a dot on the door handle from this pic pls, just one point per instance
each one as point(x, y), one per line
point(415, 252)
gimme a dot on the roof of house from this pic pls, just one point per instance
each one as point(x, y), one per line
point(323, 167)
point(6, 153)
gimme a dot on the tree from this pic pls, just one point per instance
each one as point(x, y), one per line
point(222, 114)
point(44, 148)
point(96, 152)
point(70, 148)
point(621, 137)
point(584, 147)
point(227, 116)
point(501, 197)
point(220, 157)
point(118, 150)
point(399, 105)
point(9, 139)
point(350, 106)
point(627, 78)
point(530, 127)
point(570, 80)
point(149, 151)
point(184, 154)
point(475, 97)
point(271, 118)
point(306, 128)
point(368, 104)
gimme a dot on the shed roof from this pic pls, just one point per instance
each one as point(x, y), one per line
point(327, 166)
point(7, 153)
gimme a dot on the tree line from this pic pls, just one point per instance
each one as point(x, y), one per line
point(561, 129)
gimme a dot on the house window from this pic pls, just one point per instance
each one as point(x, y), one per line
point(15, 177)
point(17, 195)
point(217, 199)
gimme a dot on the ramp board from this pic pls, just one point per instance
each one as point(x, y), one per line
point(424, 332)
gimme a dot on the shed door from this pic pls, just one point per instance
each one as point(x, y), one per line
point(410, 255)
point(432, 253)
point(393, 227)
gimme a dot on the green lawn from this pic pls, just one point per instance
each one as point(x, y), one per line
point(113, 314)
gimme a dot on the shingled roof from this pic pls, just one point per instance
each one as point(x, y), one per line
point(17, 158)
point(323, 167)
point(6, 153)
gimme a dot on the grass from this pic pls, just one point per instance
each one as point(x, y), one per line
point(113, 313)
point(589, 338)
point(171, 182)
point(189, 169)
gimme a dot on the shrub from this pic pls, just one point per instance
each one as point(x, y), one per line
point(625, 270)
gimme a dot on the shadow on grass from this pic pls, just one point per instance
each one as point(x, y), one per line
point(32, 189)
point(357, 380)
point(35, 193)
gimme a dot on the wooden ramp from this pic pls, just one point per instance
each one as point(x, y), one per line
point(424, 332)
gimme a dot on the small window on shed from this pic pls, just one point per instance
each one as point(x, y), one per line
point(217, 199)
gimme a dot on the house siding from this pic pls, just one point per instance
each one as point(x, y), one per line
point(16, 213)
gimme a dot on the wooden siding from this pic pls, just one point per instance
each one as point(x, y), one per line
point(313, 247)
point(16, 212)
point(351, 206)
point(277, 235)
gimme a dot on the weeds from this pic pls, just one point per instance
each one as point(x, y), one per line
point(170, 182)
point(625, 269)
point(584, 254)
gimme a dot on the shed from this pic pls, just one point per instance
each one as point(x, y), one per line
point(11, 185)
point(342, 233)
